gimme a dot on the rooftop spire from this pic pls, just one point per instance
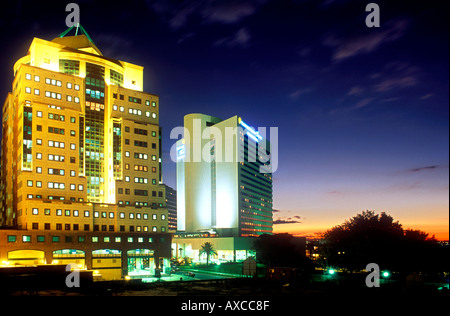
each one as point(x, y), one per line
point(77, 27)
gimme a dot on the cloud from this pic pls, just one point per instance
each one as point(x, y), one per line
point(392, 83)
point(334, 192)
point(356, 91)
point(178, 14)
point(240, 38)
point(289, 220)
point(227, 11)
point(296, 94)
point(368, 42)
point(427, 96)
point(362, 103)
point(396, 75)
point(423, 168)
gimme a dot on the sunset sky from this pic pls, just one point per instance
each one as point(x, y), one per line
point(362, 113)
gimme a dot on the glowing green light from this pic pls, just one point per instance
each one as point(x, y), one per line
point(386, 274)
point(331, 271)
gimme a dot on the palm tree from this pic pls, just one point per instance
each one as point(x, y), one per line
point(208, 249)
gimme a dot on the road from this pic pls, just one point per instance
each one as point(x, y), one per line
point(200, 275)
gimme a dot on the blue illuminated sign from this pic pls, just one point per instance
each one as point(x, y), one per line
point(181, 152)
point(251, 132)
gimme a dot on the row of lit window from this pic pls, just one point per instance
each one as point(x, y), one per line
point(52, 143)
point(82, 239)
point(97, 214)
point(140, 156)
point(52, 197)
point(134, 111)
point(53, 82)
point(55, 185)
point(58, 172)
point(53, 95)
point(139, 168)
point(139, 180)
point(139, 204)
point(52, 157)
point(138, 192)
point(134, 100)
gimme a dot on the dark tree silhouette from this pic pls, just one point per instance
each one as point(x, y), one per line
point(377, 238)
point(280, 250)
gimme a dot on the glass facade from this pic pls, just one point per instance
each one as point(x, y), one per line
point(94, 132)
point(255, 194)
point(68, 66)
point(117, 149)
point(27, 154)
point(116, 78)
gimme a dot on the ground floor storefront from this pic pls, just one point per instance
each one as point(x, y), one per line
point(228, 249)
point(112, 256)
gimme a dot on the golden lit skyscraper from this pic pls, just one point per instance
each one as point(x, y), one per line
point(81, 146)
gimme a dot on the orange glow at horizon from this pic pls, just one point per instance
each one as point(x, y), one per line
point(440, 231)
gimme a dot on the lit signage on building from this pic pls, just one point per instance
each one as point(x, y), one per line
point(181, 152)
point(250, 131)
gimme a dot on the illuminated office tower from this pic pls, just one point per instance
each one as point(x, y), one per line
point(220, 188)
point(171, 203)
point(81, 148)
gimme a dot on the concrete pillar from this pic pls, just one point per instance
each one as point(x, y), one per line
point(88, 259)
point(124, 258)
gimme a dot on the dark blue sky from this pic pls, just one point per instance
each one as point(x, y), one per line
point(362, 113)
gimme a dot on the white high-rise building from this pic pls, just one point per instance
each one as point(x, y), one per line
point(224, 184)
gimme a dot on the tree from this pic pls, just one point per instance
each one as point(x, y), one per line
point(280, 250)
point(208, 249)
point(377, 238)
